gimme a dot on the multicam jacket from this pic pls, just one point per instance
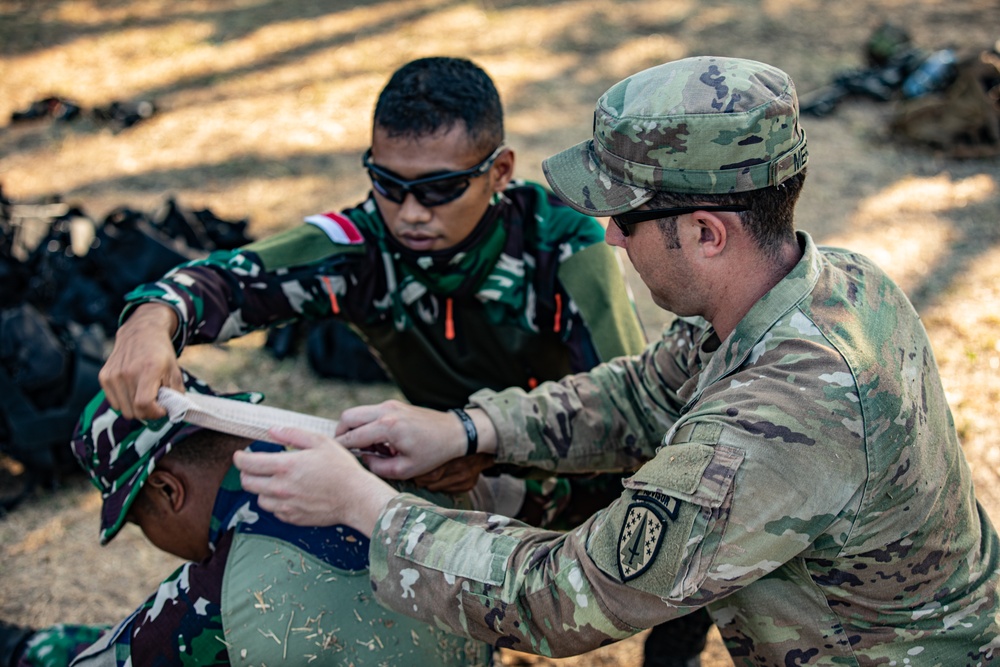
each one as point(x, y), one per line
point(533, 294)
point(270, 593)
point(804, 482)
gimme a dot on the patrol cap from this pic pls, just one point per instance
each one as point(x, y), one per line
point(705, 125)
point(119, 453)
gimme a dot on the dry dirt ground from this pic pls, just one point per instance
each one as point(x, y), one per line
point(264, 110)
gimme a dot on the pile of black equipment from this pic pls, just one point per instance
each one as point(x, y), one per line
point(60, 296)
point(947, 99)
point(117, 115)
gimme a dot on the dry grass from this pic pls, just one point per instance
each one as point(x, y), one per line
point(264, 110)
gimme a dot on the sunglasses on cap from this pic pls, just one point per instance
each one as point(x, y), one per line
point(625, 220)
point(431, 190)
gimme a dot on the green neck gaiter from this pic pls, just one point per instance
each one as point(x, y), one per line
point(457, 271)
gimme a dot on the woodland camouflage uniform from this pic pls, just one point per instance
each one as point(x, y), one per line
point(533, 294)
point(269, 593)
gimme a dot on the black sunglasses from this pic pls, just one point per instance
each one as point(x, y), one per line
point(624, 220)
point(431, 190)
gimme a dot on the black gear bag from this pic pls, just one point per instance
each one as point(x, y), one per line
point(48, 374)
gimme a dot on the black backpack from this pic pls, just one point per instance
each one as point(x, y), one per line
point(48, 373)
point(56, 309)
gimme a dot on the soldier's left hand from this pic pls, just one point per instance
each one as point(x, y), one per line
point(319, 483)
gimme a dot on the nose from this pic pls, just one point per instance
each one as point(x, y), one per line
point(412, 211)
point(613, 235)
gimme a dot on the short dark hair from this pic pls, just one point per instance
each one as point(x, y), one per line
point(201, 449)
point(206, 447)
point(432, 94)
point(770, 220)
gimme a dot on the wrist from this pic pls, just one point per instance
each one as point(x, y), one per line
point(152, 316)
point(486, 432)
point(376, 495)
point(471, 431)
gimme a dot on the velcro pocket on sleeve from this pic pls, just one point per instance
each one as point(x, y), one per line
point(662, 535)
point(696, 473)
point(440, 543)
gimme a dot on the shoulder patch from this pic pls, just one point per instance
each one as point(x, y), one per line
point(338, 227)
point(642, 533)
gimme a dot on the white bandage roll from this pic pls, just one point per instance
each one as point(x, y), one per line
point(237, 417)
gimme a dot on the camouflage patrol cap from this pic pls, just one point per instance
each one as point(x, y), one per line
point(705, 125)
point(119, 453)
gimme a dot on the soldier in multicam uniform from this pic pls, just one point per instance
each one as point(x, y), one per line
point(458, 277)
point(256, 590)
point(801, 475)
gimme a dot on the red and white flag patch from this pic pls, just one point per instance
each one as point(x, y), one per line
point(338, 227)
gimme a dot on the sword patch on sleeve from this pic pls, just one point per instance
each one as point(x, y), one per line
point(642, 533)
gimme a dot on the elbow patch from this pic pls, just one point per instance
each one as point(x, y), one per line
point(436, 542)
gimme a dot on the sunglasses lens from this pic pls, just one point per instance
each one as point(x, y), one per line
point(440, 192)
point(430, 190)
point(389, 189)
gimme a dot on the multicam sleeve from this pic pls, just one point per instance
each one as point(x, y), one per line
point(611, 418)
point(230, 293)
point(627, 568)
point(688, 531)
point(492, 578)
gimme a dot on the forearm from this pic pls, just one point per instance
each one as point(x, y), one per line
point(209, 303)
point(493, 579)
point(609, 419)
point(150, 319)
point(229, 293)
point(369, 505)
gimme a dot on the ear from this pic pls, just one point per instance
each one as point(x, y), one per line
point(166, 491)
point(502, 170)
point(713, 233)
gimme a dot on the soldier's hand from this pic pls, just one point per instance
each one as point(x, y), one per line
point(142, 361)
point(318, 484)
point(421, 439)
point(455, 476)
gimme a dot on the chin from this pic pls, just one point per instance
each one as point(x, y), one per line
point(661, 302)
point(429, 245)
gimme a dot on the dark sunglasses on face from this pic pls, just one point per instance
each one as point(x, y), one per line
point(625, 220)
point(431, 190)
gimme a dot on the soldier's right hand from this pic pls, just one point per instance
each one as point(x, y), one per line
point(420, 439)
point(142, 361)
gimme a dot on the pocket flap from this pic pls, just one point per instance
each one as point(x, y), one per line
point(696, 473)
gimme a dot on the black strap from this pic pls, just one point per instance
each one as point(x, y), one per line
point(471, 435)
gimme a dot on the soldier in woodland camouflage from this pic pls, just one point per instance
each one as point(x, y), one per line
point(801, 476)
point(256, 590)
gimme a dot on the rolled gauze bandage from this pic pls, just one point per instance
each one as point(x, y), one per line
point(237, 417)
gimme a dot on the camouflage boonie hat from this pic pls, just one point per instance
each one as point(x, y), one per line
point(119, 453)
point(706, 125)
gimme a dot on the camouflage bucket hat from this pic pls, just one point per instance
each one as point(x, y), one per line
point(706, 125)
point(119, 453)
